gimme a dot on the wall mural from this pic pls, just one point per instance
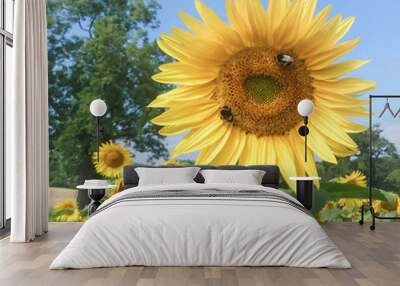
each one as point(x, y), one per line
point(237, 96)
point(221, 87)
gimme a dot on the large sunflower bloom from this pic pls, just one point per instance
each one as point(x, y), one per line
point(112, 160)
point(355, 178)
point(238, 85)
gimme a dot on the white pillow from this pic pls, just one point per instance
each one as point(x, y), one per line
point(248, 177)
point(166, 176)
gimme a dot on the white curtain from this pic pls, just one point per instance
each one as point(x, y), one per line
point(27, 123)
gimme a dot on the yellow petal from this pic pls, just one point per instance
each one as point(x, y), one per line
point(262, 151)
point(354, 112)
point(322, 40)
point(179, 128)
point(176, 116)
point(348, 86)
point(184, 95)
point(318, 21)
point(337, 70)
point(249, 155)
point(333, 98)
point(177, 67)
point(316, 142)
point(331, 129)
point(257, 22)
point(212, 20)
point(340, 150)
point(184, 78)
point(323, 59)
point(347, 125)
point(176, 52)
point(201, 138)
point(191, 44)
point(207, 155)
point(204, 31)
point(174, 129)
point(285, 159)
point(295, 24)
point(230, 154)
point(239, 21)
point(271, 150)
point(277, 10)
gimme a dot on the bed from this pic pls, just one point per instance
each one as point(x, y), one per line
point(198, 224)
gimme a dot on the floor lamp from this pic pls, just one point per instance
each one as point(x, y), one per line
point(98, 108)
point(305, 108)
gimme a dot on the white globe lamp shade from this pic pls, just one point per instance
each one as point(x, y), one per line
point(98, 107)
point(305, 107)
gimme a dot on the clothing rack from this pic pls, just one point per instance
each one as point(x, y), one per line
point(370, 198)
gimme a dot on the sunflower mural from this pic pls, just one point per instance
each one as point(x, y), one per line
point(238, 83)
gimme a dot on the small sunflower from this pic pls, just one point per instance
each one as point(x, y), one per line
point(113, 157)
point(74, 216)
point(169, 162)
point(65, 204)
point(238, 84)
point(355, 178)
point(352, 202)
point(174, 162)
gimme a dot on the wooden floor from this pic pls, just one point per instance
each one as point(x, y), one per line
point(375, 257)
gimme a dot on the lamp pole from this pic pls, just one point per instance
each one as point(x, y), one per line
point(98, 137)
point(98, 108)
point(305, 108)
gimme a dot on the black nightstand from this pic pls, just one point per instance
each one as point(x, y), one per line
point(96, 193)
point(304, 190)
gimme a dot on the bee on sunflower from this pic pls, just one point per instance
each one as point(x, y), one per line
point(112, 160)
point(238, 84)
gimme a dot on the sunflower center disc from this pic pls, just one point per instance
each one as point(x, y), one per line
point(261, 94)
point(114, 159)
point(261, 88)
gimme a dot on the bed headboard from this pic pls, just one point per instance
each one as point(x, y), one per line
point(270, 179)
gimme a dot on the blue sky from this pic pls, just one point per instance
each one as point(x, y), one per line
point(377, 24)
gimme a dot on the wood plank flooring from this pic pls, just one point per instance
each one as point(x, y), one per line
point(375, 257)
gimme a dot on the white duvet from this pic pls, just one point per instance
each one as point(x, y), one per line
point(200, 231)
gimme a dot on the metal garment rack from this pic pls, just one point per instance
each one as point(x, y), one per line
point(370, 198)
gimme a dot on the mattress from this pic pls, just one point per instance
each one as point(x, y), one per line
point(201, 225)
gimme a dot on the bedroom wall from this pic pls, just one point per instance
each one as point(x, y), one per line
point(110, 51)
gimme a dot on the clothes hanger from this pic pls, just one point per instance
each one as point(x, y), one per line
point(397, 113)
point(387, 107)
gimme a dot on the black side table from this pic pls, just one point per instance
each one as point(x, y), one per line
point(95, 196)
point(96, 193)
point(304, 190)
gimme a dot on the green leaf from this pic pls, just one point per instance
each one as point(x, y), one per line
point(349, 191)
point(331, 215)
point(390, 197)
point(320, 199)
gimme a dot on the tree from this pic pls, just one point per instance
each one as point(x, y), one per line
point(100, 49)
